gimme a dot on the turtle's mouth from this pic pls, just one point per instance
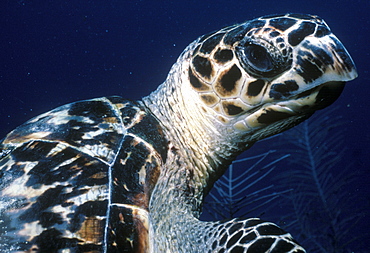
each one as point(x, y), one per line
point(302, 104)
point(328, 93)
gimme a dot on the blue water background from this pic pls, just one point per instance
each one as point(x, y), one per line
point(56, 52)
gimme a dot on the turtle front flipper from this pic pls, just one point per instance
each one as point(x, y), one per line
point(175, 227)
point(250, 235)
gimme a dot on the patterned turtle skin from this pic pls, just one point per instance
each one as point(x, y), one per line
point(114, 175)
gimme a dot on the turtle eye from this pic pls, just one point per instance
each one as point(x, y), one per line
point(258, 58)
point(261, 59)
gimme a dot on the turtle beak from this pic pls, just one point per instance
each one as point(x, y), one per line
point(341, 70)
point(343, 67)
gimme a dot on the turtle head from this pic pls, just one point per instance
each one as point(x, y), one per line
point(269, 74)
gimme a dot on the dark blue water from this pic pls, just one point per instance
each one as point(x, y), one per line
point(55, 52)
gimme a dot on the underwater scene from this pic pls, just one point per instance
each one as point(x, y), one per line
point(313, 180)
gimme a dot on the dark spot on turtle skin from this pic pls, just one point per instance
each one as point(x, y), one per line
point(237, 249)
point(274, 34)
point(92, 209)
point(270, 230)
point(208, 99)
point(229, 79)
point(235, 35)
point(291, 85)
point(255, 87)
point(217, 226)
point(281, 90)
point(229, 224)
point(271, 116)
point(203, 66)
point(223, 239)
point(261, 245)
point(51, 240)
point(231, 109)
point(196, 83)
point(234, 239)
point(282, 24)
point(248, 238)
point(239, 32)
point(279, 40)
point(321, 31)
point(223, 55)
point(214, 244)
point(65, 204)
point(306, 68)
point(48, 219)
point(235, 227)
point(252, 223)
point(296, 36)
point(321, 59)
point(210, 43)
point(282, 246)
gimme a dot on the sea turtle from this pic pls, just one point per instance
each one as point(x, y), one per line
point(114, 175)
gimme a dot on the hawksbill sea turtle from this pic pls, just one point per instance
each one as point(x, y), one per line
point(115, 175)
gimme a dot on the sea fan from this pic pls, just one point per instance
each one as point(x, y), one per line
point(312, 201)
point(322, 217)
point(241, 191)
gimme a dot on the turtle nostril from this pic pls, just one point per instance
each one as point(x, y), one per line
point(328, 93)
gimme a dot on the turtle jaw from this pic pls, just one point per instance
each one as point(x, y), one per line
point(293, 111)
point(286, 109)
